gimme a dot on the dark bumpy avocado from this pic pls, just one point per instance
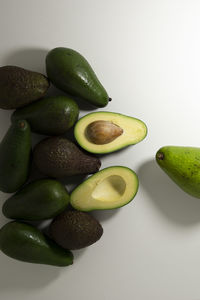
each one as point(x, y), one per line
point(19, 87)
point(15, 151)
point(42, 199)
point(50, 116)
point(59, 157)
point(69, 71)
point(75, 230)
point(26, 243)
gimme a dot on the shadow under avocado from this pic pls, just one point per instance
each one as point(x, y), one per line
point(104, 215)
point(172, 202)
point(32, 59)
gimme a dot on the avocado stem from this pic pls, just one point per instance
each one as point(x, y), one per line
point(109, 99)
point(160, 155)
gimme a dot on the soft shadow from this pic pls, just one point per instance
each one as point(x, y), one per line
point(28, 58)
point(104, 215)
point(173, 203)
point(31, 275)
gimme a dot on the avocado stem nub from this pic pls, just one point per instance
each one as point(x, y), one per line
point(109, 99)
point(22, 124)
point(160, 155)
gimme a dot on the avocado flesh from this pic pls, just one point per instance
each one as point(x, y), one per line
point(69, 71)
point(19, 87)
point(38, 200)
point(134, 131)
point(15, 152)
point(182, 165)
point(50, 116)
point(26, 243)
point(110, 188)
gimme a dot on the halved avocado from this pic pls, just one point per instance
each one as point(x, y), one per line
point(104, 132)
point(110, 188)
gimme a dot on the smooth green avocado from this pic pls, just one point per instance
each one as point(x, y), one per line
point(15, 152)
point(69, 71)
point(38, 200)
point(182, 165)
point(110, 188)
point(20, 87)
point(105, 132)
point(26, 243)
point(75, 230)
point(50, 116)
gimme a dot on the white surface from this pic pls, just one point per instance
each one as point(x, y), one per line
point(147, 55)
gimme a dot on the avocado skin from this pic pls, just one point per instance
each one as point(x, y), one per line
point(39, 200)
point(15, 151)
point(69, 71)
point(182, 165)
point(50, 116)
point(26, 243)
point(19, 87)
point(75, 230)
point(59, 157)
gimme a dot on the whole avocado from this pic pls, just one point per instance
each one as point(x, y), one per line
point(26, 243)
point(69, 71)
point(50, 116)
point(38, 200)
point(15, 152)
point(75, 230)
point(19, 87)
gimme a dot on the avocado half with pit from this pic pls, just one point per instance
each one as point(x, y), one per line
point(104, 132)
point(110, 188)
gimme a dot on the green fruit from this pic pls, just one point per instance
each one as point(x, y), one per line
point(75, 230)
point(59, 157)
point(104, 132)
point(19, 87)
point(69, 71)
point(110, 188)
point(42, 199)
point(15, 151)
point(26, 243)
point(50, 116)
point(182, 165)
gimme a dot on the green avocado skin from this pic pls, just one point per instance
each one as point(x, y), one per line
point(39, 200)
point(15, 151)
point(19, 87)
point(182, 165)
point(50, 116)
point(26, 243)
point(69, 71)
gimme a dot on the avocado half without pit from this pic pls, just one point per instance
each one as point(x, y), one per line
point(110, 188)
point(104, 132)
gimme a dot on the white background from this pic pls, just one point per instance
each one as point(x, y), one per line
point(147, 55)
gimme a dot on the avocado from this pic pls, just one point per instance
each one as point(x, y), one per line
point(50, 116)
point(75, 230)
point(110, 188)
point(15, 151)
point(59, 157)
point(182, 165)
point(69, 71)
point(26, 243)
point(105, 132)
point(38, 200)
point(19, 87)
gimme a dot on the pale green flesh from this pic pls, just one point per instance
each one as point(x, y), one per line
point(134, 131)
point(110, 188)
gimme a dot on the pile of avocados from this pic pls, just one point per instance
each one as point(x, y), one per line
point(56, 157)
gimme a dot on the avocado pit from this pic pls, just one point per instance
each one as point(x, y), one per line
point(103, 132)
